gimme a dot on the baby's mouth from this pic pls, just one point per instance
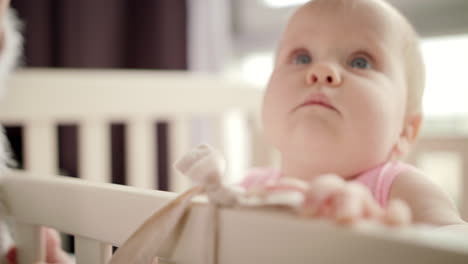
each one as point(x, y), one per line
point(318, 100)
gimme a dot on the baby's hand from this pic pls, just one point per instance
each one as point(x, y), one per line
point(331, 197)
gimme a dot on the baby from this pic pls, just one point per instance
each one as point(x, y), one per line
point(343, 106)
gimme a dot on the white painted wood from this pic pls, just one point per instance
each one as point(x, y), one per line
point(40, 140)
point(94, 150)
point(141, 153)
point(29, 243)
point(104, 212)
point(88, 97)
point(179, 144)
point(109, 213)
point(233, 133)
point(73, 94)
point(89, 251)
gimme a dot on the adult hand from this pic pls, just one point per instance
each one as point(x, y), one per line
point(54, 251)
point(4, 4)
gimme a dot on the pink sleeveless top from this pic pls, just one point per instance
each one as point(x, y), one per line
point(379, 179)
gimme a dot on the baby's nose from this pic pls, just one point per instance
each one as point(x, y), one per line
point(323, 74)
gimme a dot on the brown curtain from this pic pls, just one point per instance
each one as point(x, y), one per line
point(136, 34)
point(148, 34)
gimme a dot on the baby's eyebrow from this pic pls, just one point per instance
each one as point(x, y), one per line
point(376, 43)
point(285, 50)
point(374, 47)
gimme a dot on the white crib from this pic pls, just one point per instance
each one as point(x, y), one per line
point(199, 108)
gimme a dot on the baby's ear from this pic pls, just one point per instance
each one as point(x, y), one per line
point(408, 135)
point(412, 127)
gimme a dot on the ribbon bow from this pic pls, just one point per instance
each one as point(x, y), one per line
point(204, 166)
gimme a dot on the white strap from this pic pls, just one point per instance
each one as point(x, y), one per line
point(148, 241)
point(204, 166)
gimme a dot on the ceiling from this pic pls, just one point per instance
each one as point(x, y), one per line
point(257, 27)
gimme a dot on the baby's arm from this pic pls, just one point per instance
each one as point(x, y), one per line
point(428, 203)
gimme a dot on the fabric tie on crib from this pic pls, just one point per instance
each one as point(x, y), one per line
point(205, 167)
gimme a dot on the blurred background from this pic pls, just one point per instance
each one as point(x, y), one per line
point(230, 38)
point(234, 39)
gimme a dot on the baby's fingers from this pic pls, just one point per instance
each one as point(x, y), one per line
point(319, 192)
point(348, 207)
point(355, 203)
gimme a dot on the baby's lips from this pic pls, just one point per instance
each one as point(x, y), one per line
point(318, 99)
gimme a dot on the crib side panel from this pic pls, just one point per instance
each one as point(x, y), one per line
point(107, 214)
point(41, 99)
point(272, 238)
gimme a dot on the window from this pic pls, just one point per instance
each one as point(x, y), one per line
point(446, 61)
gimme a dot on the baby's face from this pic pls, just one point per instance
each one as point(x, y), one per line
point(336, 98)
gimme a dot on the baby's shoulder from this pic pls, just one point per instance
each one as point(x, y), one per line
point(414, 184)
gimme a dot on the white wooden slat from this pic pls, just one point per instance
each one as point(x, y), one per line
point(258, 155)
point(224, 132)
point(89, 251)
point(141, 154)
point(29, 243)
point(94, 150)
point(41, 147)
point(179, 144)
point(233, 133)
point(262, 154)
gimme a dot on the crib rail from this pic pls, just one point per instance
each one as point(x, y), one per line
point(40, 99)
point(101, 215)
point(39, 93)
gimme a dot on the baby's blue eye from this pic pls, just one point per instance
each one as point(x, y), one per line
point(302, 58)
point(360, 63)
